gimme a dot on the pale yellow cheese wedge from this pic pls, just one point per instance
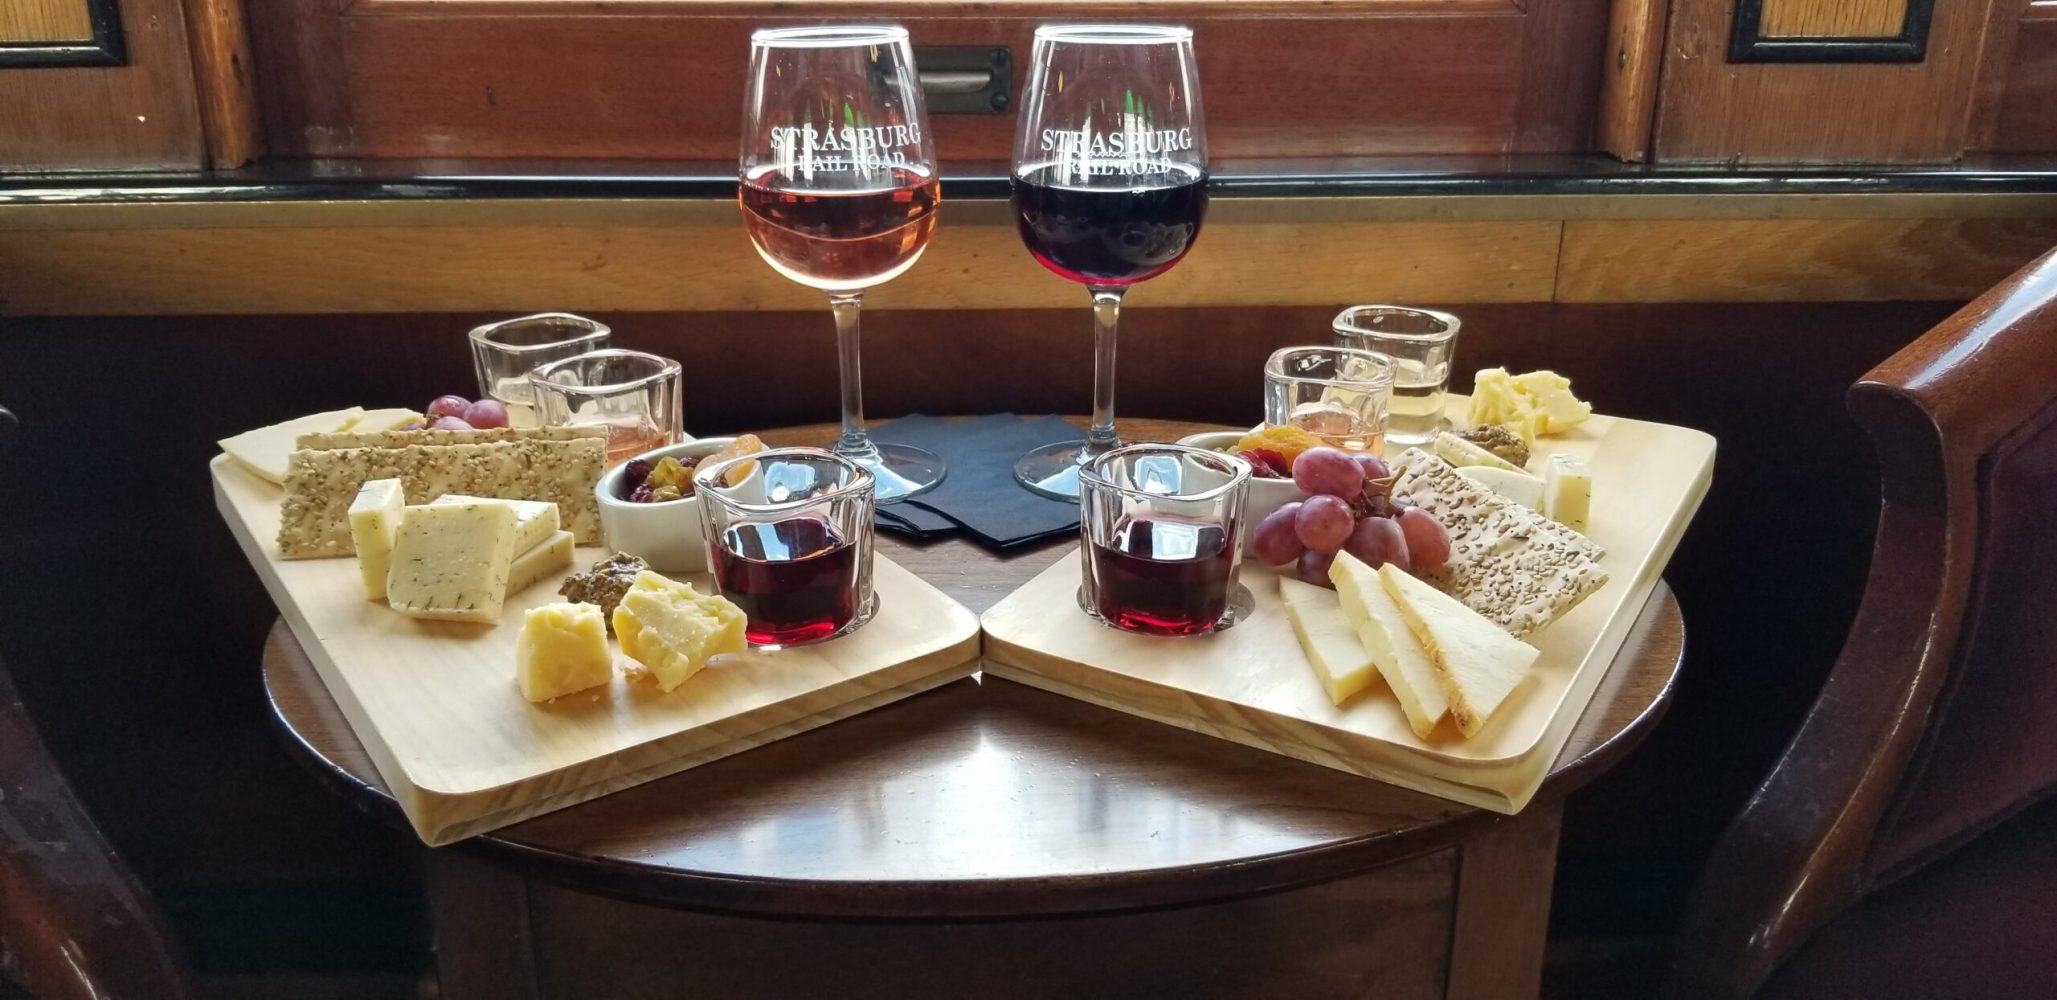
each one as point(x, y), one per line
point(547, 559)
point(1393, 649)
point(264, 451)
point(562, 648)
point(374, 421)
point(1478, 663)
point(673, 629)
point(374, 523)
point(450, 561)
point(1328, 638)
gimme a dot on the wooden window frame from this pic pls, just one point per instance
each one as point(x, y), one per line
point(106, 47)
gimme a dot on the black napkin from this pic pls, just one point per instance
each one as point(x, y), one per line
point(978, 492)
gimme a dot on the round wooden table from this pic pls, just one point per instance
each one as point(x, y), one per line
point(989, 838)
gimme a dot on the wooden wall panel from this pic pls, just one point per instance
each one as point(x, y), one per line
point(409, 79)
point(1783, 260)
point(2026, 95)
point(1833, 18)
point(45, 21)
point(141, 116)
point(1714, 110)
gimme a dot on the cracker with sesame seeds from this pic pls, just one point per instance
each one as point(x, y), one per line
point(1507, 562)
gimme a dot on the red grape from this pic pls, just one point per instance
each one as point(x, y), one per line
point(1313, 568)
point(1377, 541)
point(1328, 470)
point(1428, 543)
point(1374, 467)
point(447, 406)
point(1323, 522)
point(485, 413)
point(1274, 540)
point(449, 424)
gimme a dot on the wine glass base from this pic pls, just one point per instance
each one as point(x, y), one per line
point(899, 471)
point(1052, 470)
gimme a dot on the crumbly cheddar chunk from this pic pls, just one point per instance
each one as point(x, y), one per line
point(1532, 403)
point(374, 523)
point(673, 630)
point(562, 649)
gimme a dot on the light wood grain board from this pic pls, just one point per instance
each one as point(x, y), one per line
point(436, 706)
point(1253, 685)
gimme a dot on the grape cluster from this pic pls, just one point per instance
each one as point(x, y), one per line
point(1349, 508)
point(456, 413)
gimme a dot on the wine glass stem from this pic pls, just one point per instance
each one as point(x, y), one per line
point(1100, 438)
point(854, 443)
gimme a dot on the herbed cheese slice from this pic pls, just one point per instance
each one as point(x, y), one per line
point(539, 561)
point(534, 520)
point(562, 649)
point(1392, 646)
point(1567, 491)
point(1507, 562)
point(1477, 662)
point(673, 629)
point(450, 561)
point(265, 450)
point(1328, 639)
point(374, 521)
point(321, 483)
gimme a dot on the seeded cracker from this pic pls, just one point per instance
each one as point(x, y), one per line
point(320, 484)
point(1507, 562)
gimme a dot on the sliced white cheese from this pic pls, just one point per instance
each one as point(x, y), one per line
point(1519, 487)
point(540, 561)
point(374, 421)
point(562, 649)
point(264, 451)
point(374, 521)
point(1477, 662)
point(450, 561)
point(1398, 655)
point(534, 520)
point(1328, 638)
point(1567, 491)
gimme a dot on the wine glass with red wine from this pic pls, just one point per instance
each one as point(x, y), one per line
point(839, 192)
point(1110, 184)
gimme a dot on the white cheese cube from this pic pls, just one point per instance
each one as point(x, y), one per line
point(374, 521)
point(450, 561)
point(538, 562)
point(534, 520)
point(562, 649)
point(1328, 639)
point(673, 630)
point(1567, 491)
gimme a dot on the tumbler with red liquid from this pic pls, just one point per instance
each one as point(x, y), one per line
point(789, 541)
point(1161, 527)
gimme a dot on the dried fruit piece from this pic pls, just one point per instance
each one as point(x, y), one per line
point(748, 444)
point(1288, 441)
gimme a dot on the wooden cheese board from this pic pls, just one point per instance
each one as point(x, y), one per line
point(436, 706)
point(1253, 685)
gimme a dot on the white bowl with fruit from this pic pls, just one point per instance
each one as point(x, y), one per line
point(647, 507)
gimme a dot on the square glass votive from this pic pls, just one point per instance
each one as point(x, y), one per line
point(633, 394)
point(1338, 394)
point(790, 542)
point(1161, 532)
point(1421, 343)
point(504, 353)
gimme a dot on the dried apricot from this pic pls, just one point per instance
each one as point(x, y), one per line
point(748, 444)
point(1288, 441)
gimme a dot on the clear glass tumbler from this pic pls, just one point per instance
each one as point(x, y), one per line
point(1421, 343)
point(635, 395)
point(790, 542)
point(504, 353)
point(1339, 394)
point(1161, 532)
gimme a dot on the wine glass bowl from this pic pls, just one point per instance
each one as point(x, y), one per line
point(838, 191)
point(1109, 189)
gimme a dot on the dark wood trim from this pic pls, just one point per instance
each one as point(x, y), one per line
point(1747, 42)
point(224, 80)
point(106, 48)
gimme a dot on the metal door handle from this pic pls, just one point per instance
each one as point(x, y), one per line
point(966, 79)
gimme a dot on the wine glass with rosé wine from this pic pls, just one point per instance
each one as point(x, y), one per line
point(839, 192)
point(1110, 184)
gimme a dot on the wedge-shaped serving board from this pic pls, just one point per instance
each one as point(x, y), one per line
point(436, 706)
point(1252, 684)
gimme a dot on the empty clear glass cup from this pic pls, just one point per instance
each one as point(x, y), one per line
point(1338, 394)
point(504, 353)
point(633, 394)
